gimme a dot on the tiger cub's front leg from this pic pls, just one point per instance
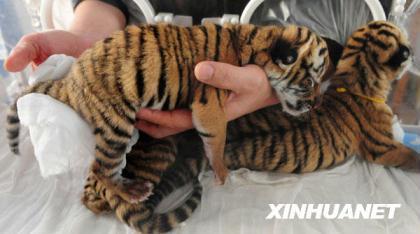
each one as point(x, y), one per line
point(210, 121)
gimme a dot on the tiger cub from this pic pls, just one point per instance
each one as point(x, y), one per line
point(142, 216)
point(152, 66)
point(352, 119)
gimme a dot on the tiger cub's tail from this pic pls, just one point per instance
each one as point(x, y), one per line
point(143, 218)
point(165, 222)
point(51, 88)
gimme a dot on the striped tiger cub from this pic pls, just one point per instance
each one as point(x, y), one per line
point(352, 119)
point(142, 216)
point(152, 66)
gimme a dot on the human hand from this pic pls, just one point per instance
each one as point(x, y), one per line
point(250, 91)
point(37, 47)
point(92, 21)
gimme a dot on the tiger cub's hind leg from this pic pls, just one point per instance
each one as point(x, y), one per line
point(111, 143)
point(397, 155)
point(148, 160)
point(210, 121)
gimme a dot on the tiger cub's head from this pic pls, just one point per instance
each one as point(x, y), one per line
point(383, 47)
point(299, 61)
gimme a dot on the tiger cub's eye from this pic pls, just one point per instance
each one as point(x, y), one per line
point(290, 57)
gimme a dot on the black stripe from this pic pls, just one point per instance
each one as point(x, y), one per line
point(108, 40)
point(98, 130)
point(180, 67)
point(254, 153)
point(294, 77)
point(204, 134)
point(139, 75)
point(116, 146)
point(148, 169)
point(270, 153)
point(150, 102)
point(308, 36)
point(128, 214)
point(206, 41)
point(127, 44)
point(181, 214)
point(299, 35)
point(283, 154)
point(388, 34)
point(193, 52)
point(218, 97)
point(345, 123)
point(372, 66)
point(353, 47)
point(361, 73)
point(217, 45)
point(234, 42)
point(326, 130)
point(106, 164)
point(162, 77)
point(106, 153)
point(359, 39)
point(191, 203)
point(298, 168)
point(116, 108)
point(295, 152)
point(192, 38)
point(377, 42)
point(164, 224)
point(252, 35)
point(166, 104)
point(350, 54)
point(13, 119)
point(361, 127)
point(305, 147)
point(114, 128)
point(49, 86)
point(203, 97)
point(378, 25)
point(340, 132)
point(346, 73)
point(318, 141)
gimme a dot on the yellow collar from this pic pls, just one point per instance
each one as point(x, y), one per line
point(372, 99)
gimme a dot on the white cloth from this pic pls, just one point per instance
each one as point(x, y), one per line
point(62, 140)
point(30, 203)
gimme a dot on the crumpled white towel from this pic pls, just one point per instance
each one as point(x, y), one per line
point(62, 140)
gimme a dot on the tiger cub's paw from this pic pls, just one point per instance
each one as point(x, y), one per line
point(134, 190)
point(95, 203)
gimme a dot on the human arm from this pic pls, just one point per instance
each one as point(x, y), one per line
point(93, 20)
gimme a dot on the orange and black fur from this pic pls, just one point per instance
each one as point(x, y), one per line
point(152, 66)
point(353, 118)
point(349, 122)
point(142, 216)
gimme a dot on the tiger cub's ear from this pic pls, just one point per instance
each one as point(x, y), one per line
point(335, 50)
